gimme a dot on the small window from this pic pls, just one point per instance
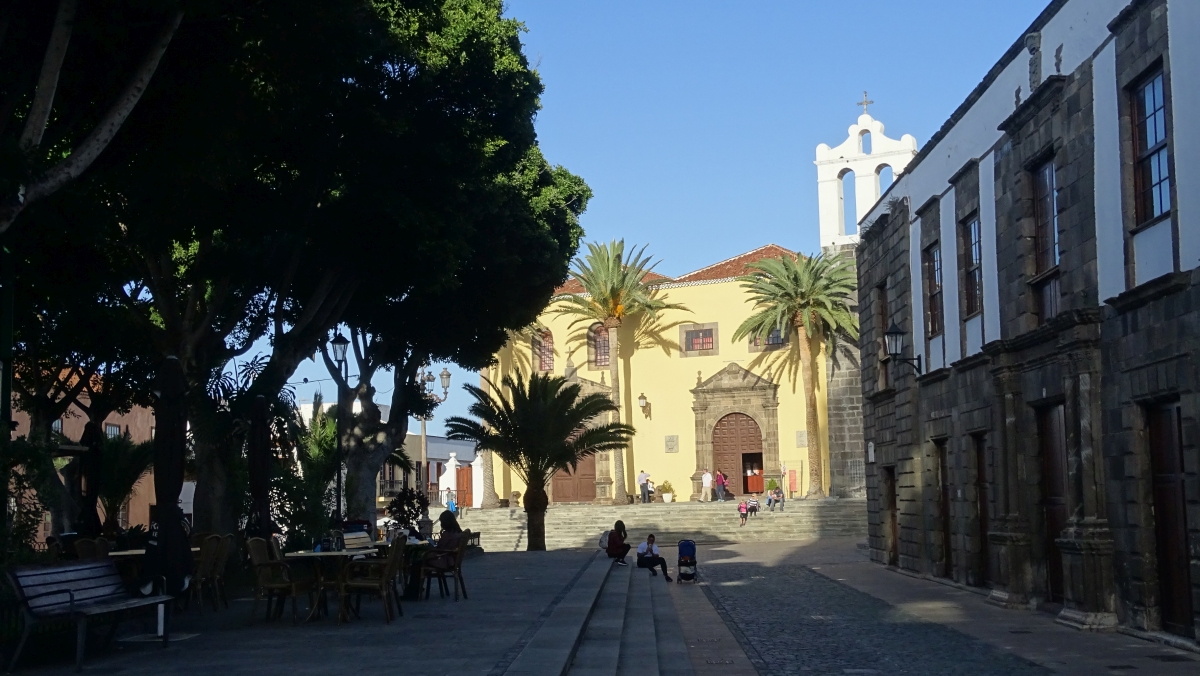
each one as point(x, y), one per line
point(598, 344)
point(1045, 212)
point(543, 351)
point(1152, 177)
point(882, 315)
point(699, 339)
point(112, 431)
point(775, 339)
point(932, 257)
point(972, 243)
point(57, 426)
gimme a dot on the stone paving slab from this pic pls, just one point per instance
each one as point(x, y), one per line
point(438, 637)
point(819, 607)
point(550, 650)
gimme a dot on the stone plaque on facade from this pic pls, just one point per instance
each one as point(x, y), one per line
point(673, 443)
point(801, 438)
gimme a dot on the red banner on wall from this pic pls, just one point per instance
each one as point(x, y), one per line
point(792, 480)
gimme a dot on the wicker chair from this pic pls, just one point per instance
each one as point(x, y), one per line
point(202, 575)
point(103, 547)
point(228, 544)
point(445, 562)
point(373, 577)
point(274, 578)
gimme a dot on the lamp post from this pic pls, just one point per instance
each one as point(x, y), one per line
point(894, 340)
point(339, 345)
point(425, 382)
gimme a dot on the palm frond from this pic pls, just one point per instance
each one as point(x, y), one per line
point(615, 286)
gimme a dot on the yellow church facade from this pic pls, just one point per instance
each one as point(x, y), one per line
point(698, 399)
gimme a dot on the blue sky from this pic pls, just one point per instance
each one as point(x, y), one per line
point(695, 122)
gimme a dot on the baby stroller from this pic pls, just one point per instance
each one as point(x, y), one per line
point(686, 566)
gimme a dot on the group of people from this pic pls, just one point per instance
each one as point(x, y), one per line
point(647, 552)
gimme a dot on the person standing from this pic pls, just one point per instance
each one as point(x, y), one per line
point(706, 480)
point(644, 485)
point(648, 557)
point(720, 482)
point(742, 512)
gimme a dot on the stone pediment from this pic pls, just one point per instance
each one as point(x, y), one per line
point(732, 377)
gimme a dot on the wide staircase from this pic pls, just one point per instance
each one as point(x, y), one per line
point(613, 621)
point(575, 526)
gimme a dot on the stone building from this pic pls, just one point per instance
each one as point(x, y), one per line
point(1037, 434)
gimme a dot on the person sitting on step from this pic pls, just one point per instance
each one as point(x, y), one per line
point(617, 547)
point(648, 557)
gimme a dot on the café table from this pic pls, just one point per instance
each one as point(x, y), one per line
point(321, 608)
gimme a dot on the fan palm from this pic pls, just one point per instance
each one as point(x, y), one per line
point(542, 426)
point(614, 287)
point(124, 463)
point(812, 299)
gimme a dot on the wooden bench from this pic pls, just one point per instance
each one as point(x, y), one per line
point(78, 590)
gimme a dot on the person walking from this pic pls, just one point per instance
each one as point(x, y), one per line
point(752, 505)
point(617, 547)
point(648, 557)
point(706, 486)
point(720, 482)
point(742, 508)
point(644, 485)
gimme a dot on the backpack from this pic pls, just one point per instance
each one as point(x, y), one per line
point(604, 539)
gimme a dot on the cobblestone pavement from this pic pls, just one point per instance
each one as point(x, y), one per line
point(830, 628)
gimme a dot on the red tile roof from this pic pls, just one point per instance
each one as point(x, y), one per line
point(732, 267)
point(572, 286)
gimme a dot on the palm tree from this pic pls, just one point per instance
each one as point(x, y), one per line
point(543, 426)
point(614, 287)
point(124, 463)
point(811, 298)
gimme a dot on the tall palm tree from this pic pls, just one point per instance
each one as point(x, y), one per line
point(811, 299)
point(542, 426)
point(614, 287)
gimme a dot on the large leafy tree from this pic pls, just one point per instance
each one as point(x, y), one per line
point(279, 147)
point(615, 287)
point(74, 71)
point(539, 427)
point(810, 300)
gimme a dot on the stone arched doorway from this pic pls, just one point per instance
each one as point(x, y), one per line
point(737, 444)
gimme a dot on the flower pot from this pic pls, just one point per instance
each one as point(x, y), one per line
point(667, 497)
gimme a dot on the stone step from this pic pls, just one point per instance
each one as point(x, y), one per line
point(550, 651)
point(639, 641)
point(601, 642)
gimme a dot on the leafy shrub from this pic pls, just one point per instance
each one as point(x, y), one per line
point(772, 485)
point(666, 487)
point(407, 507)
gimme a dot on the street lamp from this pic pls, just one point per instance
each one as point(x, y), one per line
point(894, 340)
point(425, 381)
point(339, 345)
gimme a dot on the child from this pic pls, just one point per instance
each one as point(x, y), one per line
point(742, 512)
point(752, 505)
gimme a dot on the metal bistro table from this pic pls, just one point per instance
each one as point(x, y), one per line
point(321, 608)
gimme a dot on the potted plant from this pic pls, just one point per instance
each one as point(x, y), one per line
point(667, 491)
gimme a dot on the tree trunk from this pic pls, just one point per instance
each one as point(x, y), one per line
point(536, 502)
point(490, 500)
point(812, 423)
point(620, 497)
point(210, 506)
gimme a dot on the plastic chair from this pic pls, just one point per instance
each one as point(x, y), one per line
point(274, 577)
point(373, 577)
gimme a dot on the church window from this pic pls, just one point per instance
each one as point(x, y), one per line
point(598, 344)
point(1045, 212)
point(775, 340)
point(700, 339)
point(972, 247)
point(885, 176)
point(1153, 175)
point(932, 264)
point(864, 142)
point(849, 203)
point(543, 351)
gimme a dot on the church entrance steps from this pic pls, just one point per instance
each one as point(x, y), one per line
point(579, 526)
